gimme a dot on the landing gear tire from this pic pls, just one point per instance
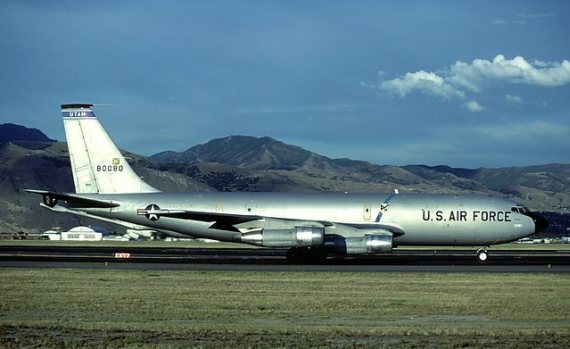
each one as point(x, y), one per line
point(482, 255)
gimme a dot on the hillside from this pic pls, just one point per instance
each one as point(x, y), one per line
point(248, 152)
point(17, 133)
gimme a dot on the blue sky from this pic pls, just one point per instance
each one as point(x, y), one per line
point(462, 83)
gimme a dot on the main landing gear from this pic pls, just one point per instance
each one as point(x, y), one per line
point(482, 254)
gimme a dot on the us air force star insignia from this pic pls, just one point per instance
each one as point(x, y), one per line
point(150, 212)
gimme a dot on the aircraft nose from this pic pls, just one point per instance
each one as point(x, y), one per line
point(540, 223)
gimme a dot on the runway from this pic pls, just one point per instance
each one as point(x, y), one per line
point(247, 259)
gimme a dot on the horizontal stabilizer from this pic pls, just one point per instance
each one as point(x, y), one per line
point(51, 199)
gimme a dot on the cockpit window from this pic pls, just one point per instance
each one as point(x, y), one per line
point(519, 209)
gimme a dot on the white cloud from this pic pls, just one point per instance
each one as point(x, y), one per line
point(473, 106)
point(517, 70)
point(422, 81)
point(513, 99)
point(525, 18)
point(462, 78)
point(536, 15)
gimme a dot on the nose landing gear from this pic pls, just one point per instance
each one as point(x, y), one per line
point(482, 254)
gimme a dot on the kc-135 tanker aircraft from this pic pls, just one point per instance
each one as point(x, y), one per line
point(308, 224)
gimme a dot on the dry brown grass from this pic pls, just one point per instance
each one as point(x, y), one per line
point(113, 308)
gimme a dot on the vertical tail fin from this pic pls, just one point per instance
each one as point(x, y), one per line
point(97, 165)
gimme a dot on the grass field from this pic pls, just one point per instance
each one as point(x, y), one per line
point(55, 308)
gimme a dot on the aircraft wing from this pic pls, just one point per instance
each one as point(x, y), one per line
point(222, 221)
point(76, 201)
point(229, 221)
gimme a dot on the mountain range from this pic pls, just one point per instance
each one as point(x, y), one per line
point(243, 163)
point(18, 133)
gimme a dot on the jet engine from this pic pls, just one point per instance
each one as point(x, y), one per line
point(296, 237)
point(366, 244)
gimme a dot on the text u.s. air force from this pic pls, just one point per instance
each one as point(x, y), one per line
point(466, 216)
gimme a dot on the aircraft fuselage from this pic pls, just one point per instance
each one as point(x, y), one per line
point(424, 219)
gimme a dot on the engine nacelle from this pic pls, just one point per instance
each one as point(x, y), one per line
point(296, 237)
point(366, 244)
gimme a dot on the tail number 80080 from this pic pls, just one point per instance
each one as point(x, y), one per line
point(109, 168)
